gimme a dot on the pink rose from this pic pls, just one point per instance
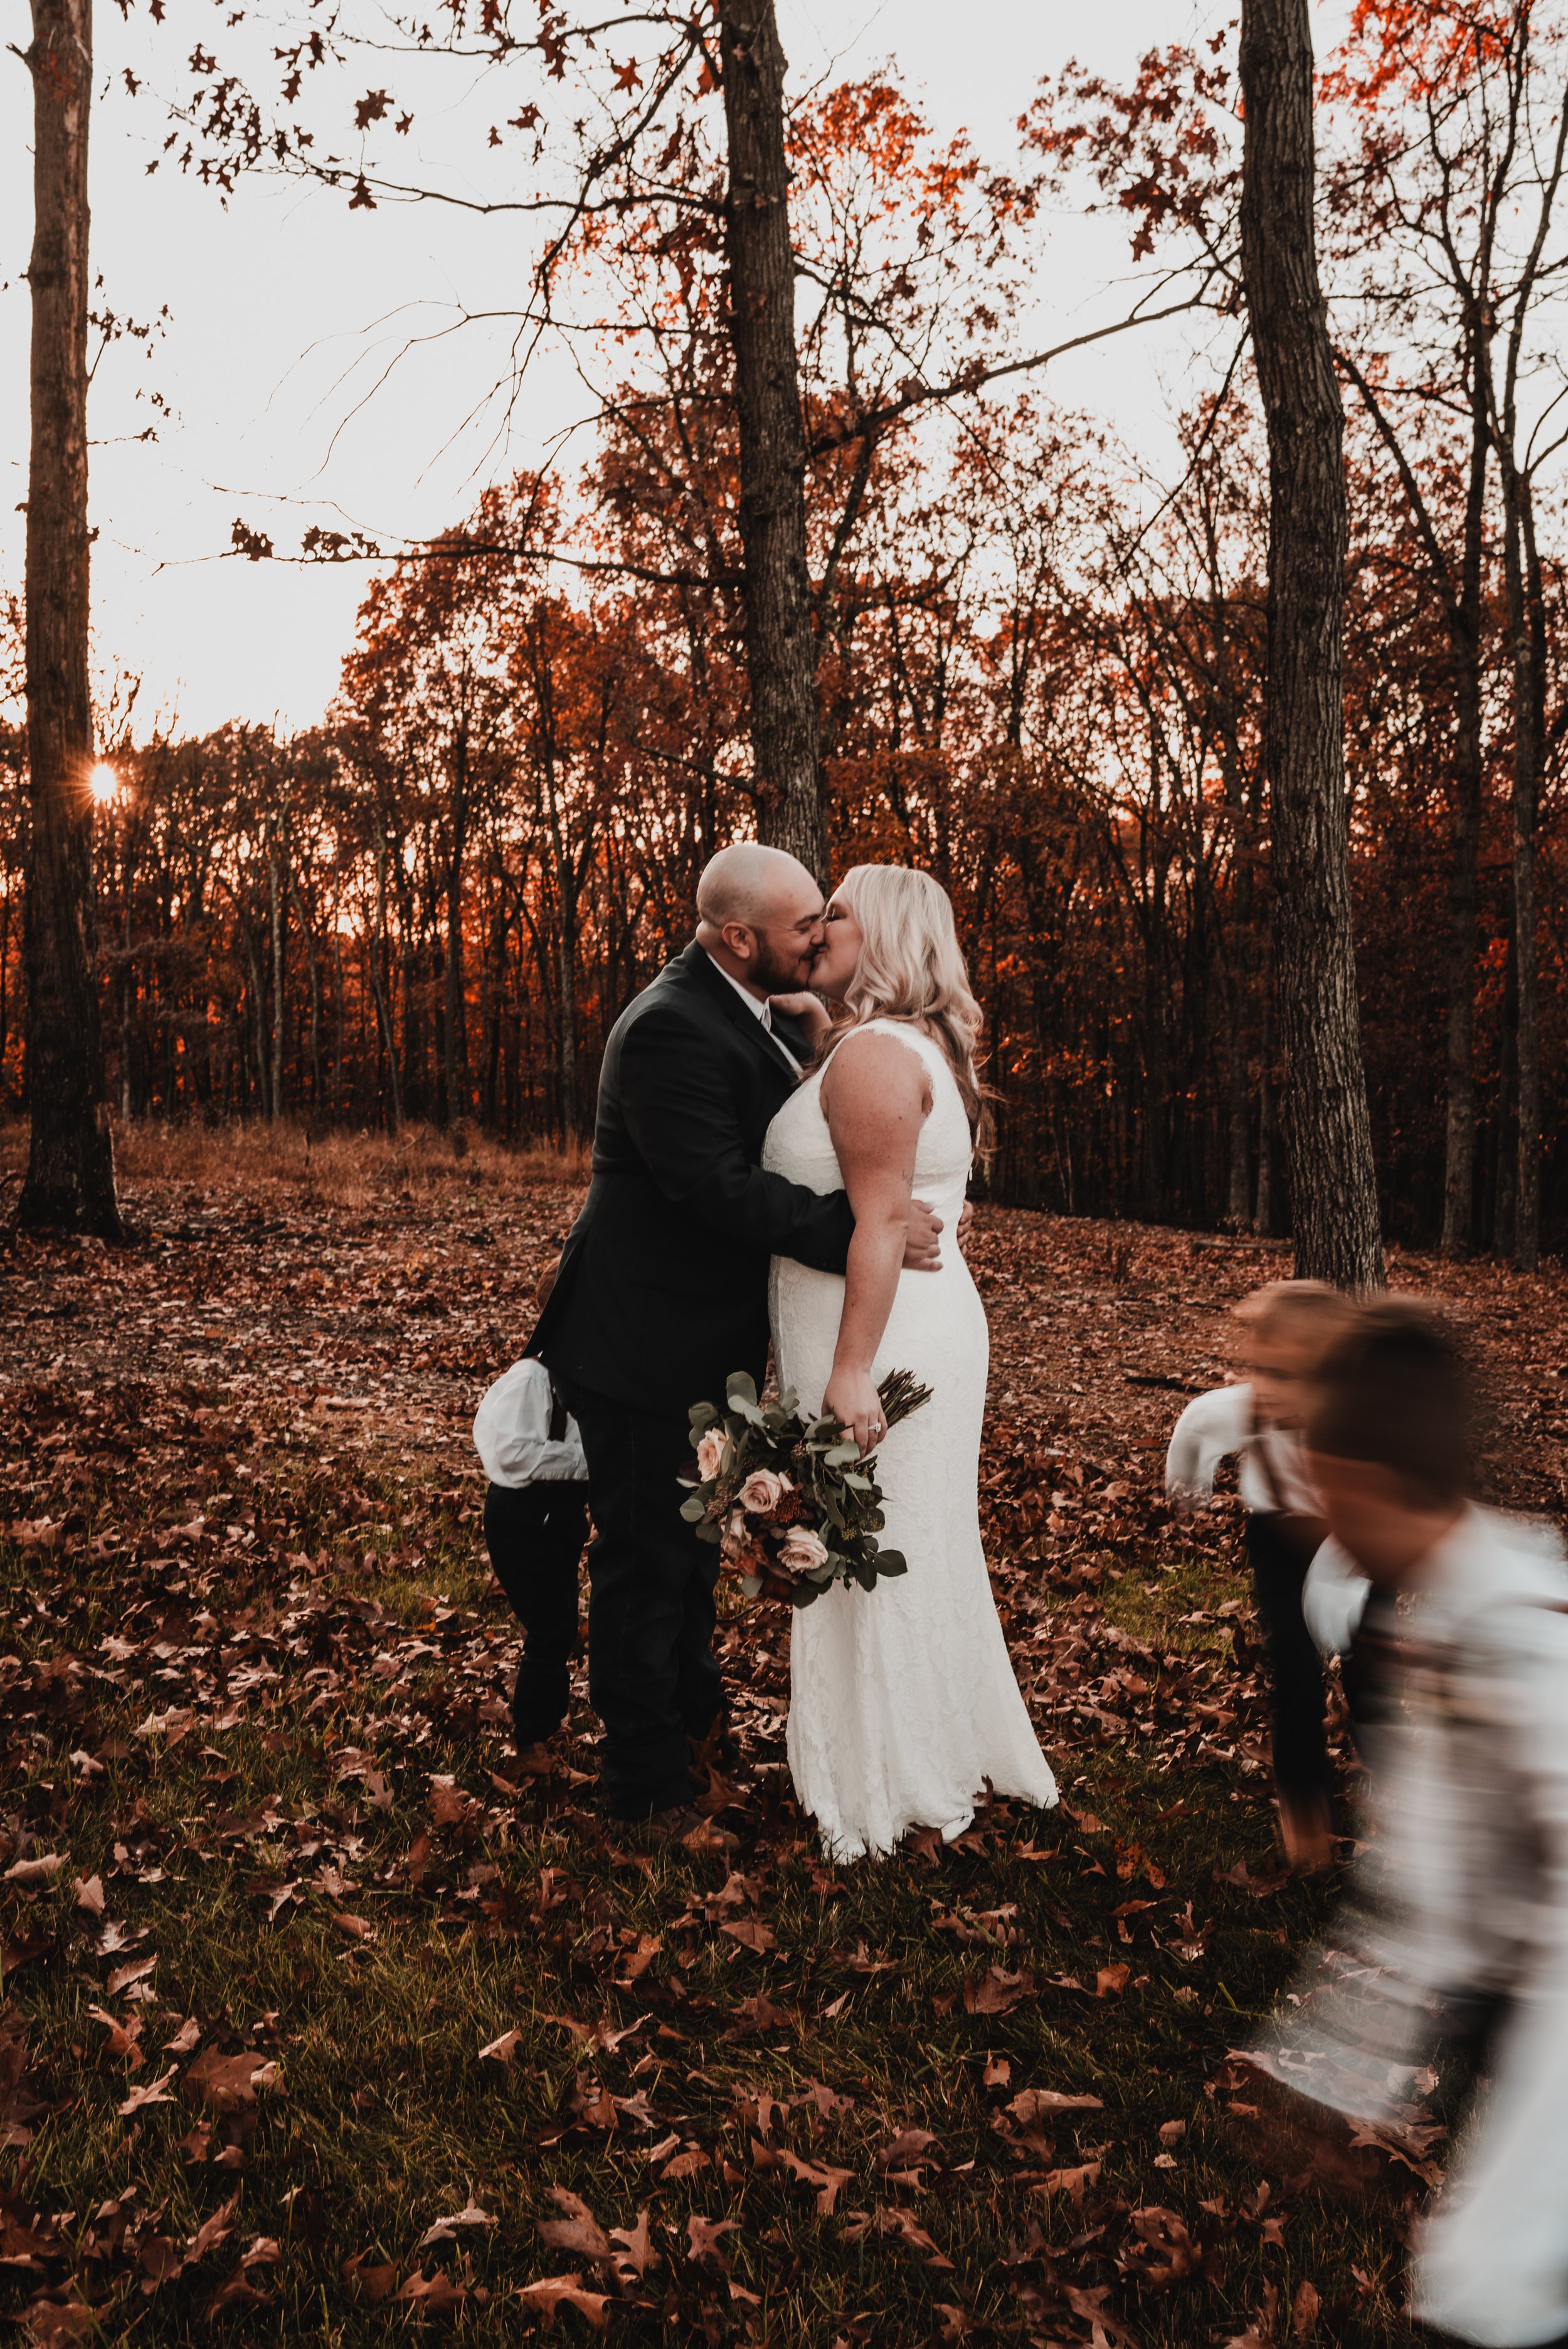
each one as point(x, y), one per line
point(762, 1492)
point(801, 1552)
point(735, 1535)
point(710, 1453)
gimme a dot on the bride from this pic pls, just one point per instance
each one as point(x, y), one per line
point(902, 1703)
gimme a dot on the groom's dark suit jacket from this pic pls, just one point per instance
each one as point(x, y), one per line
point(663, 1285)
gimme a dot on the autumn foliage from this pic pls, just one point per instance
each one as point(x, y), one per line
point(1039, 673)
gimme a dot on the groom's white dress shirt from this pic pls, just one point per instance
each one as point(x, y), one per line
point(759, 1008)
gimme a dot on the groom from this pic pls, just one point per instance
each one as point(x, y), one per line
point(663, 1292)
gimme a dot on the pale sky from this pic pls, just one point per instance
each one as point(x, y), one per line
point(285, 308)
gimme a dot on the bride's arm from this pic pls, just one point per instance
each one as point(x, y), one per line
point(877, 1097)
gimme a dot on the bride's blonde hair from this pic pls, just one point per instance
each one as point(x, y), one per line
point(912, 967)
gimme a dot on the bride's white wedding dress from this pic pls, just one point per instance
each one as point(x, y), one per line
point(903, 1701)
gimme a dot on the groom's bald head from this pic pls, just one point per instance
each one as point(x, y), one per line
point(747, 882)
point(759, 916)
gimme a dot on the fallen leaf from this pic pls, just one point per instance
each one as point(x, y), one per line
point(1111, 1981)
point(123, 1976)
point(1072, 2182)
point(997, 1993)
point(907, 2143)
point(632, 1964)
point(122, 2037)
point(152, 2092)
point(549, 2292)
point(227, 2081)
point(1304, 2310)
point(502, 2050)
point(751, 1933)
point(433, 2296)
point(211, 2231)
point(372, 2283)
point(637, 2253)
point(892, 2221)
point(579, 2232)
point(184, 2039)
point(41, 1871)
point(1030, 2104)
point(89, 1895)
point(445, 1801)
point(442, 2231)
point(705, 2237)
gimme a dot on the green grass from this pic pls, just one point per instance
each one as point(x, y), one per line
point(918, 1993)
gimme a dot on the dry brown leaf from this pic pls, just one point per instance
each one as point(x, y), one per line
point(433, 2296)
point(547, 2293)
point(502, 2050)
point(705, 2238)
point(373, 2284)
point(637, 2253)
point(1031, 2104)
point(123, 1976)
point(226, 2082)
point(152, 2092)
point(1072, 2182)
point(41, 1869)
point(89, 1895)
point(579, 2233)
point(892, 2221)
point(122, 2037)
point(445, 1801)
point(904, 2147)
point(751, 1933)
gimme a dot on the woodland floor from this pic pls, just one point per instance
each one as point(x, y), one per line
point(315, 2023)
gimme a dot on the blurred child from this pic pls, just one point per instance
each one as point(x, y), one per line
point(1460, 1904)
point(1287, 1328)
point(536, 1522)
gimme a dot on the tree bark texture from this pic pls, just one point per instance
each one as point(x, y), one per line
point(1323, 1113)
point(1464, 626)
point(69, 1182)
point(780, 642)
point(1527, 630)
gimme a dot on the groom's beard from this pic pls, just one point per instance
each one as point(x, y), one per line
point(776, 975)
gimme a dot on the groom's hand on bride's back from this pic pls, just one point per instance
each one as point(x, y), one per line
point(922, 1247)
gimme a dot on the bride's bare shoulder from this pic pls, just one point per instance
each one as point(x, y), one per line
point(876, 1071)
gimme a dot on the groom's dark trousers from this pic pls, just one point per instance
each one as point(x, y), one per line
point(661, 1295)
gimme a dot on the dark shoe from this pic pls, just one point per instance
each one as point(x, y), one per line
point(684, 1825)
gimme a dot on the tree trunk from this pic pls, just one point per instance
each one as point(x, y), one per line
point(313, 969)
point(69, 1182)
point(277, 885)
point(780, 646)
point(1522, 571)
point(1464, 843)
point(1328, 1135)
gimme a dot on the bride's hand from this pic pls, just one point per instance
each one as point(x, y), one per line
point(808, 1008)
point(853, 1400)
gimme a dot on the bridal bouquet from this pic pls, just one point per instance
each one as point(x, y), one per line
point(788, 1498)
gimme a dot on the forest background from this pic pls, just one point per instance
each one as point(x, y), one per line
point(1039, 658)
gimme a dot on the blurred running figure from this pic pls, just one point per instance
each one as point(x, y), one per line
point(1457, 1923)
point(1287, 1329)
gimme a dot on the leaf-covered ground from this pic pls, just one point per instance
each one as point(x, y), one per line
point(317, 2021)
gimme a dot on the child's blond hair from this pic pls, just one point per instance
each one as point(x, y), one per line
point(1302, 1312)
